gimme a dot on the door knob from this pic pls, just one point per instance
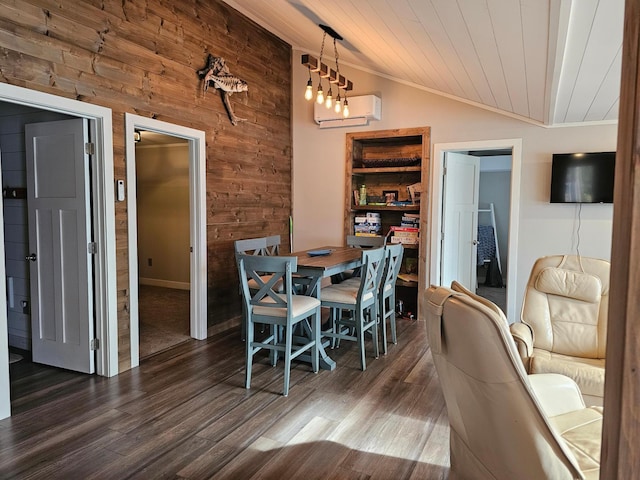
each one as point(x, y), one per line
point(475, 242)
point(31, 258)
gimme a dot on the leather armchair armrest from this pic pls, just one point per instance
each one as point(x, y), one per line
point(557, 394)
point(523, 337)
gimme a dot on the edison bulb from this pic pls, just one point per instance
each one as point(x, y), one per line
point(308, 93)
point(338, 106)
point(345, 109)
point(320, 95)
point(329, 101)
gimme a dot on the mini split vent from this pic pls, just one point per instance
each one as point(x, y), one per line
point(362, 109)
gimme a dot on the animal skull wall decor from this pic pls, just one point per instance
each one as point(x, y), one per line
point(217, 73)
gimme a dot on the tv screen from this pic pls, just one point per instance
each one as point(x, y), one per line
point(582, 177)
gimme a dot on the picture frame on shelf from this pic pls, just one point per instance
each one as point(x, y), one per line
point(414, 192)
point(390, 195)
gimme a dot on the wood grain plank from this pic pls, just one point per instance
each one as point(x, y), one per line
point(142, 57)
point(185, 413)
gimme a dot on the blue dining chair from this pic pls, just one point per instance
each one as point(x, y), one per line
point(266, 305)
point(387, 292)
point(273, 245)
point(257, 246)
point(358, 241)
point(359, 297)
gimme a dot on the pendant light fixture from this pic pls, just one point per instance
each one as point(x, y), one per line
point(315, 65)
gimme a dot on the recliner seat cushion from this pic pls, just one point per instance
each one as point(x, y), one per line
point(588, 373)
point(582, 430)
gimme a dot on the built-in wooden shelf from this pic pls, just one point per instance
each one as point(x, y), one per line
point(365, 150)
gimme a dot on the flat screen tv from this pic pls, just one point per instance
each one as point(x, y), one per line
point(582, 177)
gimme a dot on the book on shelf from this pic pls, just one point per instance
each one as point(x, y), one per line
point(405, 240)
point(399, 204)
point(406, 234)
point(366, 234)
point(404, 229)
point(410, 220)
point(408, 277)
point(376, 228)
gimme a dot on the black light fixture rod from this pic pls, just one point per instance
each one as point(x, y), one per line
point(330, 31)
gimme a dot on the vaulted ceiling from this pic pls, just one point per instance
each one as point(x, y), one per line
point(549, 61)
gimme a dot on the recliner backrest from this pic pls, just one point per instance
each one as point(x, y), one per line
point(498, 427)
point(566, 305)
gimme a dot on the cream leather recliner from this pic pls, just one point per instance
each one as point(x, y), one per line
point(563, 326)
point(504, 423)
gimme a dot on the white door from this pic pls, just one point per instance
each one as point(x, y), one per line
point(460, 220)
point(59, 234)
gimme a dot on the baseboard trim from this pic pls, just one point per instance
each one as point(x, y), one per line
point(224, 326)
point(156, 282)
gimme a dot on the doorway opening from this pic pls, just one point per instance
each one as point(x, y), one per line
point(438, 258)
point(141, 251)
point(162, 185)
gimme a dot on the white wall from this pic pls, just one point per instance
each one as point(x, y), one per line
point(545, 229)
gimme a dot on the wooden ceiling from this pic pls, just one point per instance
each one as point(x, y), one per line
point(551, 62)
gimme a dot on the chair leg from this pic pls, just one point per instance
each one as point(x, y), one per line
point(287, 357)
point(274, 331)
point(249, 354)
point(373, 312)
point(392, 321)
point(383, 324)
point(392, 318)
point(336, 326)
point(333, 319)
point(243, 328)
point(317, 338)
point(360, 339)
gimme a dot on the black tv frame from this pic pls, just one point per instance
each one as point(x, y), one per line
point(582, 177)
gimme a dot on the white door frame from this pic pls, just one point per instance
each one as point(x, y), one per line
point(197, 222)
point(106, 305)
point(5, 384)
point(437, 175)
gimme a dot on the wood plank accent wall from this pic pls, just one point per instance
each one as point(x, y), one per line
point(620, 457)
point(141, 57)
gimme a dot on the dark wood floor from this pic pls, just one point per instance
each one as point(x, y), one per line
point(185, 413)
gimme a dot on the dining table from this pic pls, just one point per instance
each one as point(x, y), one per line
point(318, 263)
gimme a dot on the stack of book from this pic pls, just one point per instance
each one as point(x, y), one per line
point(410, 220)
point(405, 235)
point(368, 225)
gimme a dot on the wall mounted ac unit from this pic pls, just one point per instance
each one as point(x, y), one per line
point(361, 110)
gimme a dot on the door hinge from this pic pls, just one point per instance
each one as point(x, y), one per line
point(90, 148)
point(92, 248)
point(444, 171)
point(94, 344)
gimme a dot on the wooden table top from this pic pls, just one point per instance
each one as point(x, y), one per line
point(340, 259)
